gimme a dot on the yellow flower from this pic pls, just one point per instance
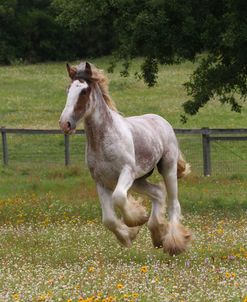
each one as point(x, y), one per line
point(245, 299)
point(91, 269)
point(42, 298)
point(120, 286)
point(69, 300)
point(233, 275)
point(16, 296)
point(220, 231)
point(135, 295)
point(144, 269)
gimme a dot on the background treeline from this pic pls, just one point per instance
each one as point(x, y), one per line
point(168, 30)
point(31, 31)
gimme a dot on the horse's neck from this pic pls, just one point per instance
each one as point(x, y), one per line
point(100, 119)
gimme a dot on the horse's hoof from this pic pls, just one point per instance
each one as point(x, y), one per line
point(177, 239)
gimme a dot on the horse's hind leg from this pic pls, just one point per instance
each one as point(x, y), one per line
point(134, 214)
point(123, 233)
point(178, 237)
point(157, 223)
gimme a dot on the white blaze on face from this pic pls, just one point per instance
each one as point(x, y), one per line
point(72, 98)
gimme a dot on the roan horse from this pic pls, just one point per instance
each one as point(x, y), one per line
point(121, 153)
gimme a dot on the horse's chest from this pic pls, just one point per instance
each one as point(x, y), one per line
point(104, 165)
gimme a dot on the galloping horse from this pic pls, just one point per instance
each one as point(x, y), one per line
point(121, 153)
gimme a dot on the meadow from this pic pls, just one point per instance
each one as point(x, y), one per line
point(53, 246)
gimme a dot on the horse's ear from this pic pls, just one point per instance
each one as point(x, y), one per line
point(88, 69)
point(71, 71)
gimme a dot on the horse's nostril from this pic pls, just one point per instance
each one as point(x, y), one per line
point(69, 125)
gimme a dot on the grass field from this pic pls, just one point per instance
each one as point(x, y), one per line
point(53, 246)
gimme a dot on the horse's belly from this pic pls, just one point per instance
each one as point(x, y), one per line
point(146, 161)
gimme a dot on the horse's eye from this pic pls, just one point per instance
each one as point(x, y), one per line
point(83, 92)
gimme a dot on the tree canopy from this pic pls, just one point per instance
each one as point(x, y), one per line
point(167, 32)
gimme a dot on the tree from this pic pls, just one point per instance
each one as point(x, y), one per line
point(167, 32)
point(30, 33)
point(223, 73)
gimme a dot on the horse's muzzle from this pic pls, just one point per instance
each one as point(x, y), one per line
point(67, 127)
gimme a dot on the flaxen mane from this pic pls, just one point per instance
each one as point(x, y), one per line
point(101, 78)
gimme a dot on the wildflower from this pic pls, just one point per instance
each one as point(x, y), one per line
point(144, 269)
point(16, 296)
point(69, 300)
point(91, 269)
point(245, 299)
point(42, 298)
point(228, 275)
point(233, 275)
point(220, 231)
point(135, 295)
point(120, 286)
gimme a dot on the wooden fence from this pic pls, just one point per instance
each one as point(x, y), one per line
point(207, 136)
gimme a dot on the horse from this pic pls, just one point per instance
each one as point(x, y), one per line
point(121, 153)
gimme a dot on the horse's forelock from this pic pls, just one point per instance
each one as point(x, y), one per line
point(97, 76)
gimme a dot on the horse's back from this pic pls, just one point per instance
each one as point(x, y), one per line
point(152, 125)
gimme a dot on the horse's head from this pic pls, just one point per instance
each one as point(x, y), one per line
point(77, 98)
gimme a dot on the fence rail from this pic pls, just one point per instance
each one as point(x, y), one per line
point(207, 136)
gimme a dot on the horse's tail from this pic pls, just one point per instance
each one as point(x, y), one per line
point(183, 167)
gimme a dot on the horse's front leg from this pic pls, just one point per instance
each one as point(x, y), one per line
point(134, 214)
point(123, 233)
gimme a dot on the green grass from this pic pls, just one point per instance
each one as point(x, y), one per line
point(53, 246)
point(34, 96)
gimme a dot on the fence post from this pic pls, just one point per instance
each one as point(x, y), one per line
point(5, 146)
point(206, 151)
point(67, 149)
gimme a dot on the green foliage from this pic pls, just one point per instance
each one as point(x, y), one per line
point(30, 33)
point(223, 72)
point(163, 32)
point(91, 23)
point(167, 32)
